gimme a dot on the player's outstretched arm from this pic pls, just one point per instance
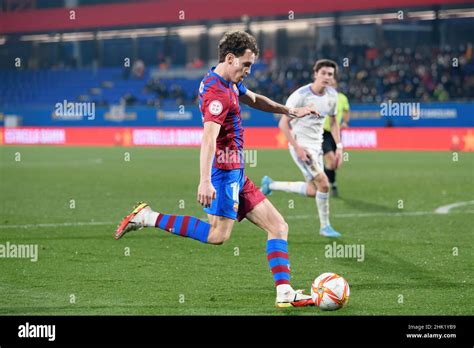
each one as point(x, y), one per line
point(260, 102)
point(284, 126)
point(206, 192)
point(346, 117)
point(336, 134)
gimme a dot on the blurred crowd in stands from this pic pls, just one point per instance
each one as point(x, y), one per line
point(371, 75)
point(366, 74)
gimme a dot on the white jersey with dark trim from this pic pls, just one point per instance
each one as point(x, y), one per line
point(308, 130)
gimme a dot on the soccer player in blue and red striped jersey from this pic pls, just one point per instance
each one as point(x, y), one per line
point(224, 191)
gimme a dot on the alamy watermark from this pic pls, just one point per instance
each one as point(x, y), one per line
point(231, 156)
point(37, 331)
point(21, 251)
point(345, 251)
point(395, 109)
point(74, 111)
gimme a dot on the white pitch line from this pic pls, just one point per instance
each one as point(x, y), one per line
point(64, 224)
point(446, 208)
point(26, 164)
point(339, 216)
point(408, 213)
point(360, 215)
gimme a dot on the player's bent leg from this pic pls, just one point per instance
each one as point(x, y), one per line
point(330, 160)
point(221, 229)
point(311, 189)
point(322, 202)
point(184, 226)
point(268, 186)
point(265, 185)
point(330, 170)
point(267, 217)
point(321, 182)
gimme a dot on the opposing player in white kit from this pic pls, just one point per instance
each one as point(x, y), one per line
point(305, 138)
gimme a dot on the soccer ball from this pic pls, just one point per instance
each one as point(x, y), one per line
point(330, 291)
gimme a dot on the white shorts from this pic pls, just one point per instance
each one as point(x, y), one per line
point(312, 169)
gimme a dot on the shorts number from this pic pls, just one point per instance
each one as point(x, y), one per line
point(235, 191)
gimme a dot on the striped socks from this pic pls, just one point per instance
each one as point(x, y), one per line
point(277, 255)
point(185, 226)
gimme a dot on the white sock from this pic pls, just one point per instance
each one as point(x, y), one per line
point(290, 186)
point(322, 202)
point(150, 219)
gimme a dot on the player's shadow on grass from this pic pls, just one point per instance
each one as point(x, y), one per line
point(368, 206)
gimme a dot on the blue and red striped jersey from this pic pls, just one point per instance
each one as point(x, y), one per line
point(219, 103)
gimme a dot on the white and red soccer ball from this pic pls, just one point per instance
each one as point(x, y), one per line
point(330, 291)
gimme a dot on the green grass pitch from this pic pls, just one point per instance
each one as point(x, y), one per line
point(416, 262)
